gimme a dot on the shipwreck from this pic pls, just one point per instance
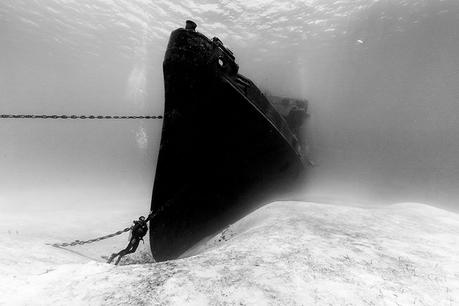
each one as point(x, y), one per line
point(224, 149)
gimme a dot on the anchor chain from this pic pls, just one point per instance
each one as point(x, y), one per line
point(19, 116)
point(78, 242)
point(127, 229)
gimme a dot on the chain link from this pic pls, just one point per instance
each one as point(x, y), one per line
point(78, 242)
point(17, 116)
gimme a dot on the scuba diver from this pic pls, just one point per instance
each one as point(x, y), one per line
point(138, 231)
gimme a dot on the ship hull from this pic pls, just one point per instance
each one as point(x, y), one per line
point(224, 149)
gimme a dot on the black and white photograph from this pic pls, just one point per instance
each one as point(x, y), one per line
point(229, 152)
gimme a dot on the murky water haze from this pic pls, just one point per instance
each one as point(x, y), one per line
point(381, 78)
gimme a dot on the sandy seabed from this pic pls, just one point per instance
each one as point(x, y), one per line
point(285, 253)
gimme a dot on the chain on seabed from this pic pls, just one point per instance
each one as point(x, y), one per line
point(78, 242)
point(17, 116)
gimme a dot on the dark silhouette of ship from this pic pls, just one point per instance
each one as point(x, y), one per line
point(224, 147)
